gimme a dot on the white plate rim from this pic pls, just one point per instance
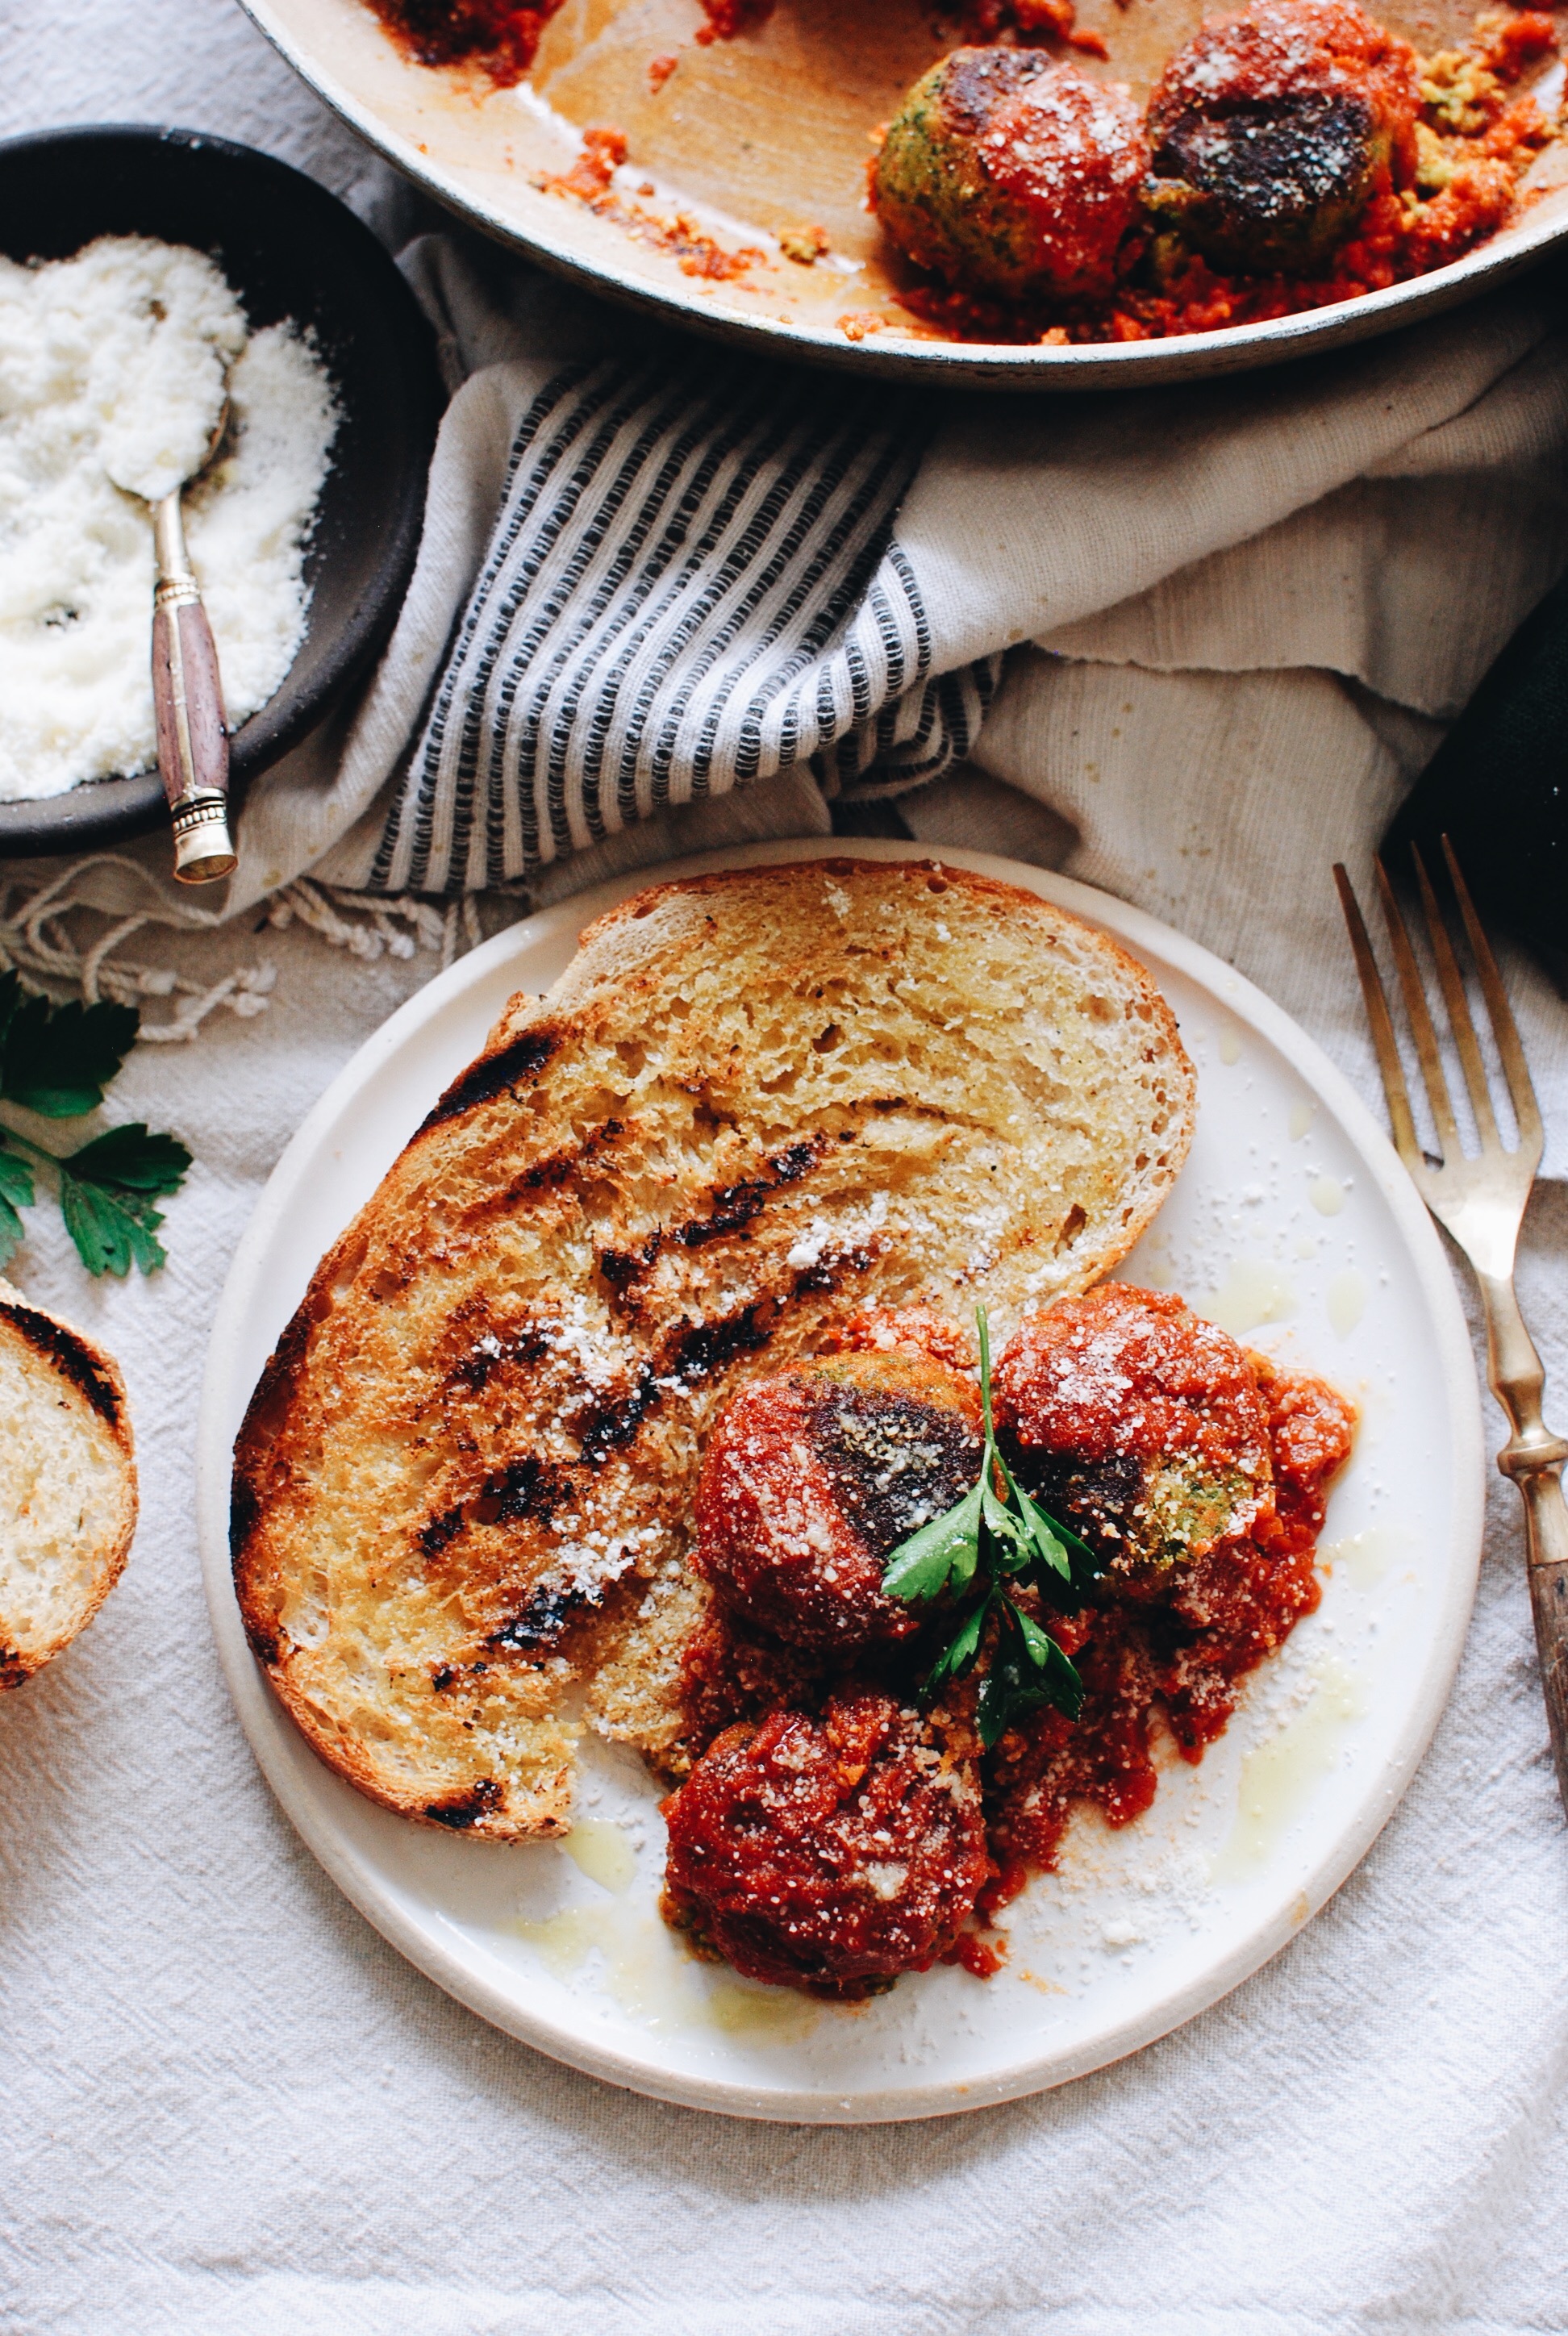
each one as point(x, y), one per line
point(272, 1736)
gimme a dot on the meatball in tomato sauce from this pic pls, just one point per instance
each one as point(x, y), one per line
point(831, 1853)
point(1198, 1473)
point(1274, 126)
point(1139, 1423)
point(1012, 174)
point(814, 1474)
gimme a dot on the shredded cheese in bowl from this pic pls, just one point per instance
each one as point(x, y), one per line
point(112, 365)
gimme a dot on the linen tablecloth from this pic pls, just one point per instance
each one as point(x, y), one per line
point(227, 2106)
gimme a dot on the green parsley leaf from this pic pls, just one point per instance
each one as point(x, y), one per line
point(999, 1706)
point(1011, 1535)
point(57, 1060)
point(1036, 1645)
point(1037, 1534)
point(111, 1228)
point(948, 1548)
point(16, 1191)
point(106, 1194)
point(1081, 1558)
point(1016, 1550)
point(18, 1183)
point(1027, 1669)
point(960, 1652)
point(1058, 1676)
point(133, 1158)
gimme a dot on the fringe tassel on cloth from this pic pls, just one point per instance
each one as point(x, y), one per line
point(66, 935)
point(692, 584)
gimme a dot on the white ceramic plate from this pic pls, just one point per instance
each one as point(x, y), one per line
point(1294, 1225)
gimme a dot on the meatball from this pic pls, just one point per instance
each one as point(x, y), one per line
point(1142, 1425)
point(1012, 176)
point(813, 1477)
point(1272, 129)
point(827, 1854)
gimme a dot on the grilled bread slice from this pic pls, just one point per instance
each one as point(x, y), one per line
point(754, 1103)
point(67, 1483)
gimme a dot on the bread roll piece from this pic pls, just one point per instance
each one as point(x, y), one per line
point(67, 1483)
point(753, 1104)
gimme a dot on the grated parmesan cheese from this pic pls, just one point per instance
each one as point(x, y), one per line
point(112, 363)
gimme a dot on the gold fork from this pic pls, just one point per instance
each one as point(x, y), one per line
point(1481, 1200)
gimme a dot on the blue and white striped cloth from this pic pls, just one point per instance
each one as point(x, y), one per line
point(692, 583)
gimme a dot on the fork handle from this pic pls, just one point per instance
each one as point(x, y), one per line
point(1534, 1457)
point(1547, 1536)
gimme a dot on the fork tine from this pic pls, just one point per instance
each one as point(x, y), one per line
point(1421, 1029)
point(1381, 1024)
point(1504, 1029)
point(1458, 1006)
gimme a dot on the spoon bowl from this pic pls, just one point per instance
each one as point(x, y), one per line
point(215, 438)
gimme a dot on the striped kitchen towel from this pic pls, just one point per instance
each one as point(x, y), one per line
point(692, 583)
point(654, 576)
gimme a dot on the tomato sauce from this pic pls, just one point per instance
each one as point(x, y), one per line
point(725, 18)
point(500, 38)
point(1163, 1651)
point(1071, 152)
point(496, 36)
point(830, 1853)
point(591, 181)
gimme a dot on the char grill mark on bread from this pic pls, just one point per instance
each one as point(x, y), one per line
point(500, 1073)
point(67, 1483)
point(754, 1103)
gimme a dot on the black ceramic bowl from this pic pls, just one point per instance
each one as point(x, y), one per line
point(290, 249)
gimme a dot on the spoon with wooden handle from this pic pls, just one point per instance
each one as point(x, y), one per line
point(187, 693)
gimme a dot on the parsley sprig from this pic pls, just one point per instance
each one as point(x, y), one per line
point(56, 1061)
point(994, 1539)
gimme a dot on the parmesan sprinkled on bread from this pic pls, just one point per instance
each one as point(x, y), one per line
point(67, 1483)
point(754, 1103)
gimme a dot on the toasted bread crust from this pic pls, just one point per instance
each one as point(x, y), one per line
point(752, 1102)
point(87, 1368)
point(68, 1500)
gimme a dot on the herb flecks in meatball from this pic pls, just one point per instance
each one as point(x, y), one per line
point(830, 1853)
point(1274, 126)
point(814, 1474)
point(1141, 1424)
point(1011, 174)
